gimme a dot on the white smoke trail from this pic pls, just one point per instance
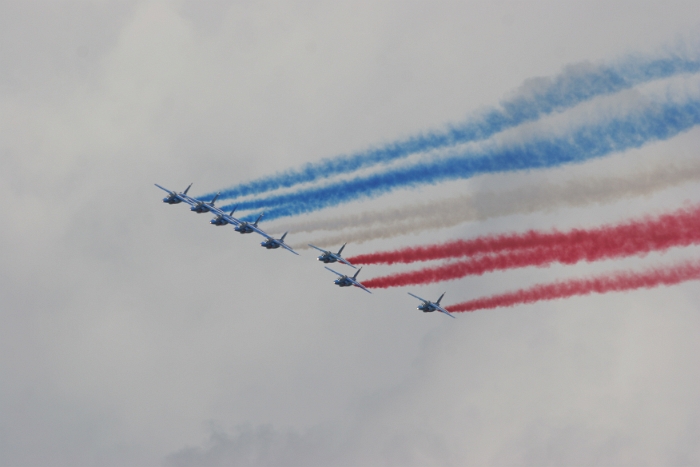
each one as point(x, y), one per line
point(372, 225)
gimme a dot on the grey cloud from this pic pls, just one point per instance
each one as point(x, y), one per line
point(261, 446)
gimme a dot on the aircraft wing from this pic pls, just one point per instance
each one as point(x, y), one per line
point(357, 284)
point(341, 275)
point(421, 299)
point(441, 309)
point(287, 247)
point(164, 189)
point(343, 260)
point(215, 210)
point(260, 231)
point(180, 196)
point(231, 219)
point(312, 246)
point(187, 199)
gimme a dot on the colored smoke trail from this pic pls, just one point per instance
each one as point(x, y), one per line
point(618, 282)
point(372, 225)
point(680, 228)
point(535, 98)
point(627, 240)
point(652, 122)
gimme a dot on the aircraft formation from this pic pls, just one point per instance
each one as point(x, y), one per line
point(222, 218)
point(629, 103)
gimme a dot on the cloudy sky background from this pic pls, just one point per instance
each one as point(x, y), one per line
point(134, 333)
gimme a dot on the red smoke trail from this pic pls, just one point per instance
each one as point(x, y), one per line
point(678, 231)
point(612, 283)
point(653, 230)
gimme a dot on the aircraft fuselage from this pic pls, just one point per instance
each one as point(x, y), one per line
point(218, 221)
point(244, 229)
point(200, 208)
point(343, 282)
point(270, 245)
point(425, 308)
point(172, 200)
point(326, 259)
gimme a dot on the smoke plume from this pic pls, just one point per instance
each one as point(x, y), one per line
point(618, 282)
point(679, 228)
point(546, 196)
point(535, 98)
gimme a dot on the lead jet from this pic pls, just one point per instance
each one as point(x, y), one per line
point(428, 307)
point(346, 281)
point(274, 243)
point(200, 207)
point(223, 219)
point(175, 197)
point(246, 227)
point(330, 257)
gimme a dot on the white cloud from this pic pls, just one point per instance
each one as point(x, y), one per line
point(127, 324)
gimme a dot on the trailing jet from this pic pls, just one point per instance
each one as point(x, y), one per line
point(346, 281)
point(200, 207)
point(330, 257)
point(247, 227)
point(273, 243)
point(174, 197)
point(428, 307)
point(223, 219)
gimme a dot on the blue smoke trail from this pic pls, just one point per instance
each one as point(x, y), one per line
point(545, 95)
point(657, 122)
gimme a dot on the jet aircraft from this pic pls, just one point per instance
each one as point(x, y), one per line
point(222, 218)
point(175, 197)
point(274, 243)
point(247, 227)
point(346, 281)
point(200, 207)
point(428, 307)
point(330, 257)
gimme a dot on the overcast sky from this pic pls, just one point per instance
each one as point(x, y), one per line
point(135, 334)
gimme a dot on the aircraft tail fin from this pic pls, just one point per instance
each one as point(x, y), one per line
point(258, 219)
point(438, 300)
point(233, 210)
point(358, 271)
point(341, 249)
point(211, 203)
point(187, 189)
point(282, 239)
